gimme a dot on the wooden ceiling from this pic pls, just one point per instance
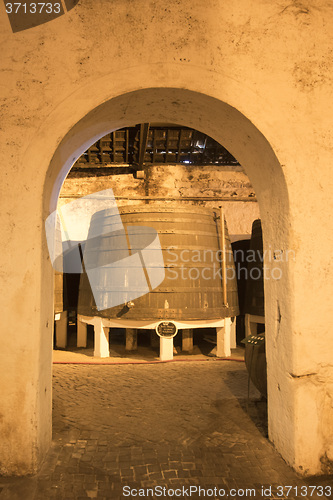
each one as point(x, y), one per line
point(132, 148)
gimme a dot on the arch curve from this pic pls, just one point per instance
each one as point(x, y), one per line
point(212, 116)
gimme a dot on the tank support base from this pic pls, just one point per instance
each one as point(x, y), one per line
point(61, 329)
point(101, 343)
point(223, 349)
point(225, 329)
point(166, 348)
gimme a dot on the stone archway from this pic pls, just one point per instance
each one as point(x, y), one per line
point(298, 374)
point(232, 129)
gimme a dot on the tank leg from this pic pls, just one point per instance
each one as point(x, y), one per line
point(223, 340)
point(81, 333)
point(166, 348)
point(101, 349)
point(61, 329)
point(154, 340)
point(187, 340)
point(233, 344)
point(251, 327)
point(131, 339)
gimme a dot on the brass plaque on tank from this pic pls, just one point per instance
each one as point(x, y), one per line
point(166, 329)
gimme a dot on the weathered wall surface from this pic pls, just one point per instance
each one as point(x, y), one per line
point(179, 181)
point(63, 86)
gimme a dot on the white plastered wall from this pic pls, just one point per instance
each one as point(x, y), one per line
point(203, 185)
point(63, 87)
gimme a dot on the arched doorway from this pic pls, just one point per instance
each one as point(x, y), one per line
point(232, 129)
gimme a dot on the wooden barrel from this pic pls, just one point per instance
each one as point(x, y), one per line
point(255, 300)
point(240, 250)
point(190, 239)
point(255, 360)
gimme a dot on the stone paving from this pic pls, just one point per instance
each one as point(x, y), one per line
point(175, 425)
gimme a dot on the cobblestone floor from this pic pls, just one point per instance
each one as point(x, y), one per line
point(173, 425)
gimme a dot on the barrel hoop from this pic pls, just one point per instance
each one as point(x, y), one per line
point(179, 209)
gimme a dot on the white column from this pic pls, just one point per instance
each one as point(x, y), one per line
point(61, 329)
point(223, 340)
point(166, 348)
point(81, 333)
point(233, 343)
point(101, 343)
